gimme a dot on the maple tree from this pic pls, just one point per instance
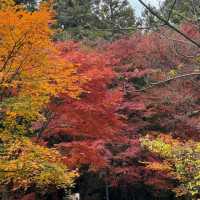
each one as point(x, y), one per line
point(144, 60)
point(88, 132)
point(31, 73)
point(25, 164)
point(67, 105)
point(82, 134)
point(75, 125)
point(181, 160)
point(151, 70)
point(26, 52)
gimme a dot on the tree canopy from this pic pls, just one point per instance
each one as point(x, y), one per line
point(94, 102)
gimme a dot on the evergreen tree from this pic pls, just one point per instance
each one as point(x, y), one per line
point(174, 11)
point(74, 18)
point(149, 21)
point(181, 10)
point(116, 15)
point(94, 18)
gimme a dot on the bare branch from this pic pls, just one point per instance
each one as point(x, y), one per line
point(152, 85)
point(171, 10)
point(169, 24)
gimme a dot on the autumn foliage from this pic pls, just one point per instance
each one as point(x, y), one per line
point(81, 127)
point(143, 60)
point(31, 72)
point(157, 99)
point(125, 111)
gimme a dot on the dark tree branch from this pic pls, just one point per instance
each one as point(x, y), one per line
point(169, 24)
point(8, 171)
point(171, 10)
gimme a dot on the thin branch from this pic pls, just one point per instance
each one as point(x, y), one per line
point(171, 10)
point(169, 24)
point(16, 47)
point(8, 171)
point(193, 113)
point(152, 85)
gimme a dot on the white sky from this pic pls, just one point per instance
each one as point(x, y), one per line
point(138, 7)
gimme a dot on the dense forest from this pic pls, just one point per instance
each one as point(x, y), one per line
point(98, 103)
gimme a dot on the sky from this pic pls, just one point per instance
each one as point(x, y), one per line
point(138, 7)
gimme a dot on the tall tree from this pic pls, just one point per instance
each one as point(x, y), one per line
point(94, 18)
point(116, 15)
point(74, 16)
point(31, 72)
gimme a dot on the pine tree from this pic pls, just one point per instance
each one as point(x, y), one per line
point(94, 18)
point(116, 15)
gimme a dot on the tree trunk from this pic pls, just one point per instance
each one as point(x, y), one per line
point(107, 192)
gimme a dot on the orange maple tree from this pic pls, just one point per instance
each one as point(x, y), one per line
point(31, 73)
